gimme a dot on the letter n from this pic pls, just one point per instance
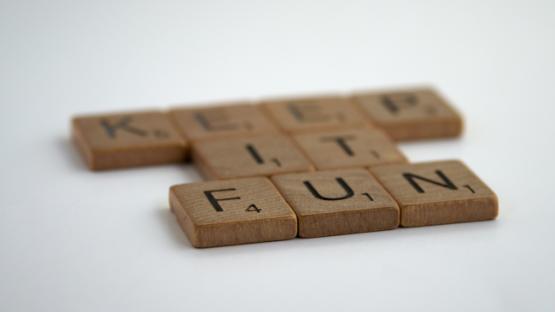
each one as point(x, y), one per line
point(445, 181)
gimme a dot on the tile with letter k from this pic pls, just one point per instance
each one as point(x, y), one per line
point(109, 141)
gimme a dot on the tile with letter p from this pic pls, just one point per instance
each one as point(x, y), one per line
point(411, 114)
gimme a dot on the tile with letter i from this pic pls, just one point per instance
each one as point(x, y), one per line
point(261, 155)
point(338, 202)
point(296, 115)
point(411, 114)
point(349, 148)
point(438, 192)
point(131, 139)
point(231, 212)
point(226, 120)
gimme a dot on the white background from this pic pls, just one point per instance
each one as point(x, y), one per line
point(73, 240)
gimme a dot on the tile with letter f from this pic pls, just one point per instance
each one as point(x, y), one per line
point(338, 202)
point(437, 192)
point(231, 212)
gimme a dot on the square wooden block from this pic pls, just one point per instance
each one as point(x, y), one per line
point(231, 212)
point(338, 202)
point(314, 113)
point(131, 139)
point(438, 192)
point(348, 148)
point(411, 114)
point(261, 155)
point(234, 119)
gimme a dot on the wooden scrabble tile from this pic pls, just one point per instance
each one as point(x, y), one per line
point(314, 113)
point(338, 202)
point(233, 119)
point(437, 192)
point(348, 148)
point(261, 155)
point(127, 139)
point(411, 114)
point(231, 212)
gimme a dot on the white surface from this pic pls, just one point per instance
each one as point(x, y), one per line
point(72, 240)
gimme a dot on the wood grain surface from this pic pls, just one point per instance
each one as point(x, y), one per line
point(216, 121)
point(411, 114)
point(131, 139)
point(349, 148)
point(231, 212)
point(437, 192)
point(338, 202)
point(303, 114)
point(261, 155)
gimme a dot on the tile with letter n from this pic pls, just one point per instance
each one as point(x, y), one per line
point(314, 113)
point(261, 155)
point(349, 148)
point(438, 192)
point(231, 212)
point(226, 120)
point(130, 139)
point(411, 114)
point(338, 202)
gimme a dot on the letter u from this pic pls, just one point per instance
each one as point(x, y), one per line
point(348, 191)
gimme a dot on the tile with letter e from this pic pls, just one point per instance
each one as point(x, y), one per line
point(314, 113)
point(131, 139)
point(338, 202)
point(349, 148)
point(233, 119)
point(231, 212)
point(438, 192)
point(261, 155)
point(411, 114)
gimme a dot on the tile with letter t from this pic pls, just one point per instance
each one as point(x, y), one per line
point(296, 115)
point(349, 148)
point(226, 120)
point(231, 212)
point(131, 139)
point(338, 202)
point(411, 114)
point(261, 155)
point(438, 192)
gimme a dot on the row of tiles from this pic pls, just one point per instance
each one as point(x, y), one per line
point(332, 202)
point(112, 141)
